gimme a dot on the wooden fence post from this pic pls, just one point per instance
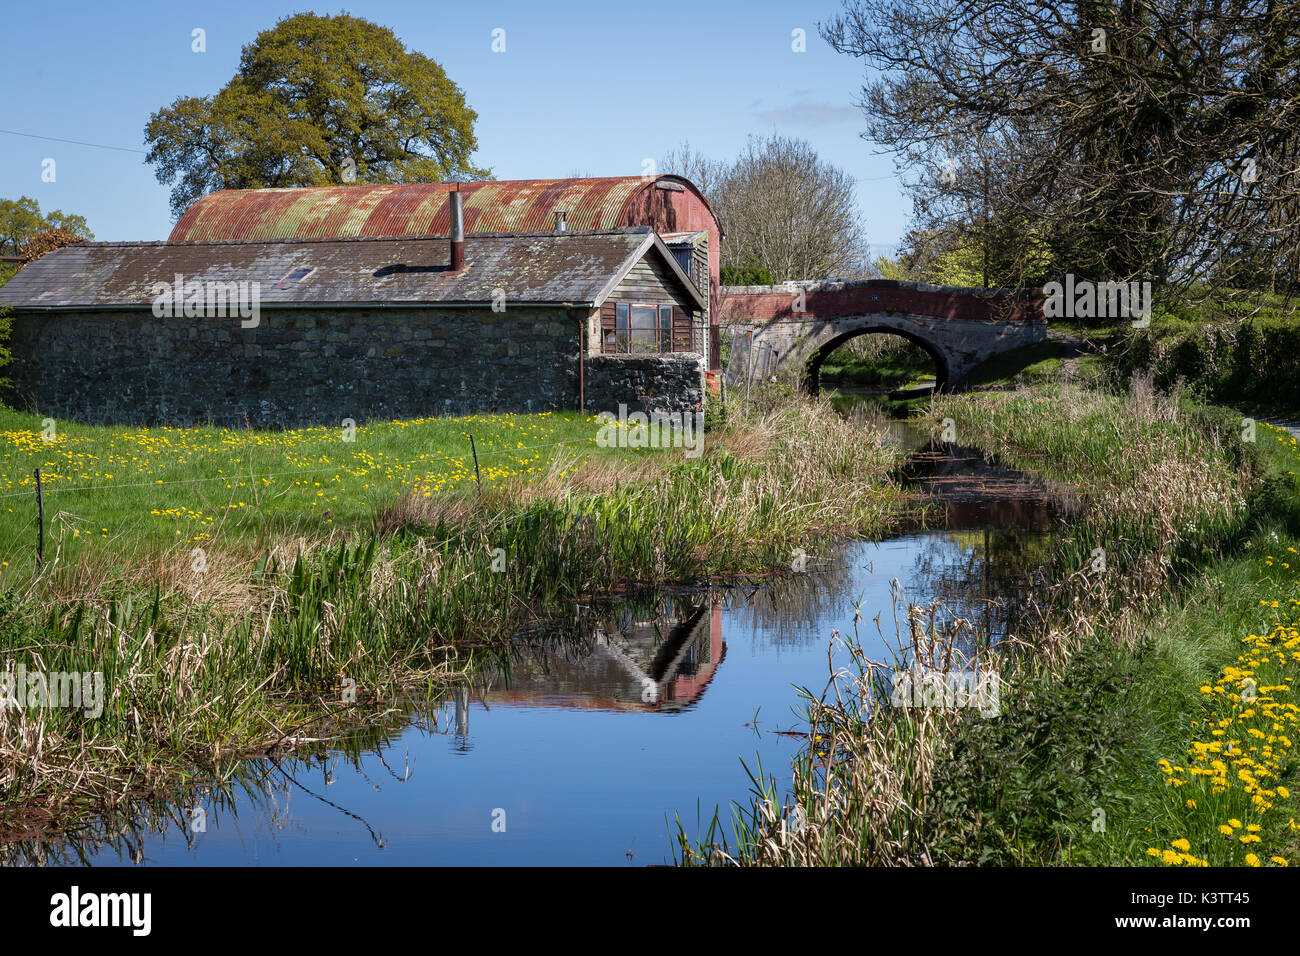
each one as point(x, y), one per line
point(474, 449)
point(40, 523)
point(749, 371)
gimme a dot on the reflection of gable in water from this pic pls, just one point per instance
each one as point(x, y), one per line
point(662, 665)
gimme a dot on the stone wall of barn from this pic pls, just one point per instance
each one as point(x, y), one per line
point(297, 367)
point(644, 383)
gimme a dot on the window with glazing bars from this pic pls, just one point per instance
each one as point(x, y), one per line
point(640, 329)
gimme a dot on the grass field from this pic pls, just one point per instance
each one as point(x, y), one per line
point(120, 490)
point(1173, 746)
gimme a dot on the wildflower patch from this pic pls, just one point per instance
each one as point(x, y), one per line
point(1234, 783)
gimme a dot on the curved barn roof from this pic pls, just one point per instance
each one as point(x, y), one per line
point(522, 205)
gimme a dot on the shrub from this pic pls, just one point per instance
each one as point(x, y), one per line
point(1247, 362)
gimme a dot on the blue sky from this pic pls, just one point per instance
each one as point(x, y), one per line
point(582, 87)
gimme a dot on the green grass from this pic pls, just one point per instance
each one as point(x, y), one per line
point(1240, 353)
point(1079, 769)
point(1030, 364)
point(1027, 789)
point(1098, 691)
point(892, 369)
point(123, 491)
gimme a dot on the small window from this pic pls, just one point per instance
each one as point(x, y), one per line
point(640, 328)
point(297, 275)
point(684, 259)
point(622, 327)
point(645, 334)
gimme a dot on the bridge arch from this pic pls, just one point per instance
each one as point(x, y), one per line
point(810, 380)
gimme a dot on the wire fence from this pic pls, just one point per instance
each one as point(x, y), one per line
point(40, 491)
point(159, 482)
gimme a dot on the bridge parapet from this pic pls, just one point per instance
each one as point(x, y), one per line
point(834, 297)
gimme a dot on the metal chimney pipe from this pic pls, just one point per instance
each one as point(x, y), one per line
point(457, 231)
point(561, 224)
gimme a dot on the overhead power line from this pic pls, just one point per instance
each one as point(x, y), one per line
point(74, 142)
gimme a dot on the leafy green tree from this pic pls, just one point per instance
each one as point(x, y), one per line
point(317, 100)
point(965, 254)
point(896, 269)
point(56, 219)
point(20, 219)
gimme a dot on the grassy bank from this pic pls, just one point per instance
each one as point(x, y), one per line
point(294, 627)
point(115, 493)
point(1106, 681)
point(877, 362)
point(1171, 746)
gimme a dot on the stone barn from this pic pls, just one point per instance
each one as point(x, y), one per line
point(301, 317)
point(670, 205)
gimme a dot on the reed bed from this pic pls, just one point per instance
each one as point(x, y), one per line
point(858, 791)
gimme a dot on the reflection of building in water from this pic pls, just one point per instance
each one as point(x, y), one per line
point(656, 658)
point(462, 720)
point(1000, 523)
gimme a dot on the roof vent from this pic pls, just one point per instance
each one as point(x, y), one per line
point(561, 223)
point(457, 231)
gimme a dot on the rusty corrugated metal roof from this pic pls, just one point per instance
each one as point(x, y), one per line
point(522, 205)
point(579, 267)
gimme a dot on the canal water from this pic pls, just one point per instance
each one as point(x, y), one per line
point(586, 751)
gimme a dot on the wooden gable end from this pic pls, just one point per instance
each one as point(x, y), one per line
point(652, 281)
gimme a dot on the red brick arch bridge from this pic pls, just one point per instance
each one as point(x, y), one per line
point(804, 322)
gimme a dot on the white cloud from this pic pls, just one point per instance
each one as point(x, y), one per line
point(810, 113)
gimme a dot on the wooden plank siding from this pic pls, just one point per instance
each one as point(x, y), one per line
point(701, 277)
point(608, 323)
point(700, 266)
point(682, 337)
point(652, 282)
point(700, 273)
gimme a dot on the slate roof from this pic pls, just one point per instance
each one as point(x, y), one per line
point(577, 267)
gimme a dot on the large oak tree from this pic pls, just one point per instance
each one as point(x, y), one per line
point(317, 100)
